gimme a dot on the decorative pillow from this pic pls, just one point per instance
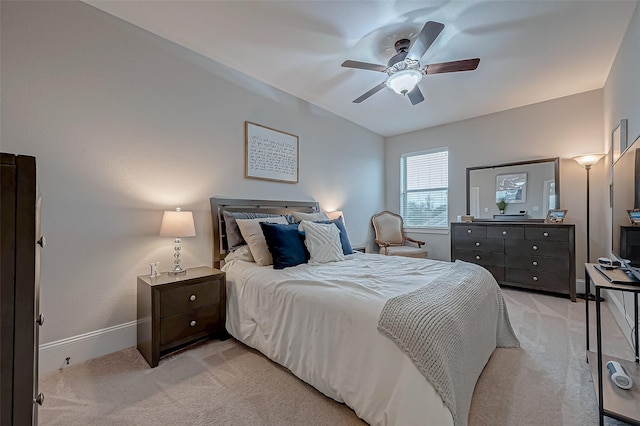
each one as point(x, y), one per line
point(322, 241)
point(252, 234)
point(241, 253)
point(234, 237)
point(299, 216)
point(344, 237)
point(285, 243)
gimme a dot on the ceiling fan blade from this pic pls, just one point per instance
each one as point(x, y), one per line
point(453, 66)
point(415, 96)
point(425, 39)
point(364, 66)
point(376, 89)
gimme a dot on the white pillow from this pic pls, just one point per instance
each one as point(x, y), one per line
point(299, 216)
point(242, 253)
point(252, 234)
point(322, 241)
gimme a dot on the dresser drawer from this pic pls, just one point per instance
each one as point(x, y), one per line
point(481, 257)
point(540, 280)
point(510, 232)
point(496, 271)
point(480, 244)
point(188, 297)
point(538, 248)
point(175, 328)
point(470, 231)
point(538, 263)
point(544, 233)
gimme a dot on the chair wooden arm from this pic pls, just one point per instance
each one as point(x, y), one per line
point(418, 242)
point(381, 243)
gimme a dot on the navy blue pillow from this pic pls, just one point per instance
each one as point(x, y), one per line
point(285, 244)
point(344, 237)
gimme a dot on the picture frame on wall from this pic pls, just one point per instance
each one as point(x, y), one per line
point(555, 216)
point(270, 154)
point(511, 188)
point(618, 140)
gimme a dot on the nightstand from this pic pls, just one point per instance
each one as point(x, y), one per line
point(177, 310)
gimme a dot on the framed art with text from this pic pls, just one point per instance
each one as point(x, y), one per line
point(270, 154)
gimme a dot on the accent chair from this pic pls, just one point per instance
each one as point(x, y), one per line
point(390, 237)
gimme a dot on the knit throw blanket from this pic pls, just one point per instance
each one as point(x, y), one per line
point(440, 324)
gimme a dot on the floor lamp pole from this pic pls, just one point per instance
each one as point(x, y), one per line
point(587, 161)
point(588, 167)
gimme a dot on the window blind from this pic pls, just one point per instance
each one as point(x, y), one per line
point(425, 188)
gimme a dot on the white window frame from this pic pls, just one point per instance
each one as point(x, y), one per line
point(440, 229)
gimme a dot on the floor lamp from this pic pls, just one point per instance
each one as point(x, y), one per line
point(587, 161)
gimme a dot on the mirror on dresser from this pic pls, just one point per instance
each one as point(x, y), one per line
point(528, 188)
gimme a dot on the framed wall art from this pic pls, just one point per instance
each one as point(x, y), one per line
point(511, 188)
point(618, 140)
point(270, 154)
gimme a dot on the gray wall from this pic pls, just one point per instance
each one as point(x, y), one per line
point(125, 124)
point(563, 128)
point(622, 100)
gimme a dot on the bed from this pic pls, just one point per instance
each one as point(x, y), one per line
point(326, 324)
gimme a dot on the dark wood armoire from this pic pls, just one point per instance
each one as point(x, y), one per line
point(20, 243)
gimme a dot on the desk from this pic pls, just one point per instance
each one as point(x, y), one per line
point(613, 402)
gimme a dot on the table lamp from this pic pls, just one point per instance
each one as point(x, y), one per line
point(177, 224)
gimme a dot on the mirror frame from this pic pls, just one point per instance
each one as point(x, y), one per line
point(556, 168)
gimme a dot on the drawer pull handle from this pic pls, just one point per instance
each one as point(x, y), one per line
point(39, 399)
point(535, 278)
point(546, 234)
point(535, 247)
point(477, 244)
point(535, 263)
point(192, 297)
point(40, 319)
point(468, 231)
point(477, 257)
point(192, 323)
point(504, 232)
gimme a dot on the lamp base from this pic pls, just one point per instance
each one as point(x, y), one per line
point(178, 272)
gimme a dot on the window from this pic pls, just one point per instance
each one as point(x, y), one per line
point(424, 188)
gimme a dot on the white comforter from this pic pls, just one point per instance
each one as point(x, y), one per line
point(320, 321)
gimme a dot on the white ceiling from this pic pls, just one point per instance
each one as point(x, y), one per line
point(530, 50)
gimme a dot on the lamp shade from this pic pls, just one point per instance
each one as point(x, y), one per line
point(335, 214)
point(588, 159)
point(404, 81)
point(177, 224)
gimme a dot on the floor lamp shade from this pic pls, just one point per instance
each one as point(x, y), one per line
point(177, 224)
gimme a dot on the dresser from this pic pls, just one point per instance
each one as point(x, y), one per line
point(529, 255)
point(177, 310)
point(630, 244)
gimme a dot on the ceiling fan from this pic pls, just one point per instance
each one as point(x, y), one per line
point(403, 68)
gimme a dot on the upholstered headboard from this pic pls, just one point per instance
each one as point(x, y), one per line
point(218, 205)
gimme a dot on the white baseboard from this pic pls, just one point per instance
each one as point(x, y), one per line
point(622, 318)
point(83, 347)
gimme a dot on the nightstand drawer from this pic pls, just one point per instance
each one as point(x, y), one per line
point(188, 297)
point(187, 324)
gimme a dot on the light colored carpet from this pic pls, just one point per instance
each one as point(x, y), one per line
point(545, 382)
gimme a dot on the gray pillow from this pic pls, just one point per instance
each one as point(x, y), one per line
point(234, 237)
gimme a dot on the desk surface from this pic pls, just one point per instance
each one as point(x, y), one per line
point(596, 274)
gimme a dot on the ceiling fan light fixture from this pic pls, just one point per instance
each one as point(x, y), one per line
point(402, 82)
